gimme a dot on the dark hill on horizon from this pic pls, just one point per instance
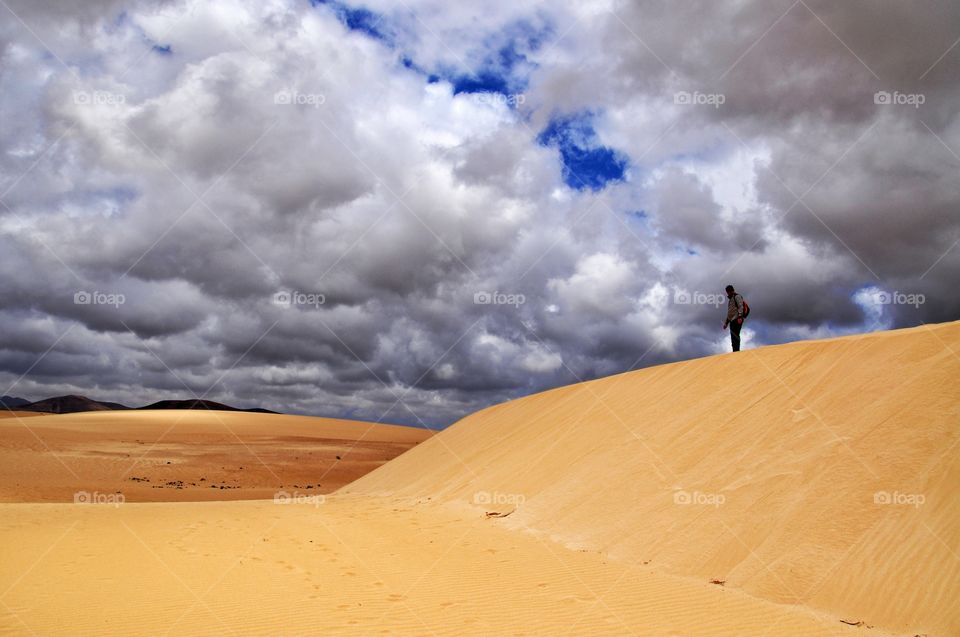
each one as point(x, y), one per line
point(70, 404)
point(199, 403)
point(73, 403)
point(12, 402)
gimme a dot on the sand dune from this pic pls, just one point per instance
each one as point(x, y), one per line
point(349, 566)
point(794, 473)
point(804, 489)
point(168, 455)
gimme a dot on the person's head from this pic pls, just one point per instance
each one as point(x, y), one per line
point(729, 290)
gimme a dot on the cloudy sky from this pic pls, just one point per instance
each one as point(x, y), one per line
point(405, 210)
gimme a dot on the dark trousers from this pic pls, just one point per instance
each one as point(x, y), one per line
point(735, 334)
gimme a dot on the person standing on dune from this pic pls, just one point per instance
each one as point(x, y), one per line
point(736, 311)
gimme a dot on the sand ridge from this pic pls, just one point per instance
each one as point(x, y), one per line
point(820, 473)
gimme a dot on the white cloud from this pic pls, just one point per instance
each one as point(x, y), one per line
point(399, 201)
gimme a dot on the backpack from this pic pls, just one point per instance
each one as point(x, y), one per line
point(746, 307)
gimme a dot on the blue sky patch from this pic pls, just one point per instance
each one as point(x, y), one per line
point(505, 63)
point(587, 164)
point(407, 62)
point(358, 19)
point(485, 82)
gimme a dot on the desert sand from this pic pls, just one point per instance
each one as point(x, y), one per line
point(187, 455)
point(801, 489)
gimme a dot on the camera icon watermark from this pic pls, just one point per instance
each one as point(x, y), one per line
point(683, 297)
point(82, 297)
point(498, 298)
point(696, 98)
point(502, 99)
point(98, 98)
point(296, 98)
point(487, 498)
point(895, 498)
point(898, 298)
point(896, 98)
point(700, 498)
point(95, 497)
point(285, 497)
point(290, 298)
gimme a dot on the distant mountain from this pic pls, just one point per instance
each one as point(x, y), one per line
point(12, 402)
point(70, 404)
point(198, 403)
point(192, 403)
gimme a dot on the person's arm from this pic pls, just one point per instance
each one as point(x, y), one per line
point(739, 300)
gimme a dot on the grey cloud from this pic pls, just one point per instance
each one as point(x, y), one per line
point(399, 202)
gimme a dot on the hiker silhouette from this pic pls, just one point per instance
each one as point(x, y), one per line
point(737, 311)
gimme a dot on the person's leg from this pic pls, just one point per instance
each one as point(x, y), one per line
point(735, 335)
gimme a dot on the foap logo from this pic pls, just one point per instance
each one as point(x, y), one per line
point(899, 298)
point(296, 98)
point(498, 298)
point(486, 498)
point(509, 99)
point(98, 98)
point(285, 497)
point(895, 498)
point(82, 297)
point(683, 297)
point(897, 98)
point(285, 298)
point(684, 498)
point(95, 497)
point(685, 98)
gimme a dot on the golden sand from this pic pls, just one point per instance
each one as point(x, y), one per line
point(802, 489)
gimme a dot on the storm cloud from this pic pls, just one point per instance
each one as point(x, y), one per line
point(408, 212)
